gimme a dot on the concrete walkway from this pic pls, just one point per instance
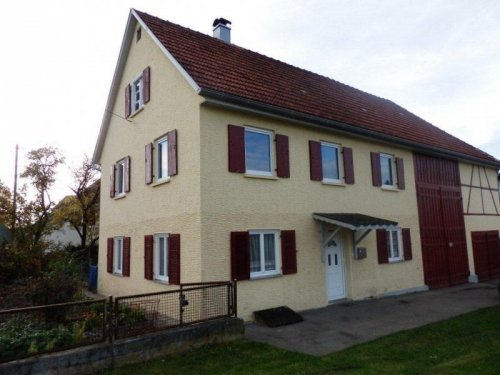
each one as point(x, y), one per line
point(342, 325)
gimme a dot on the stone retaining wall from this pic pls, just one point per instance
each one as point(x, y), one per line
point(92, 358)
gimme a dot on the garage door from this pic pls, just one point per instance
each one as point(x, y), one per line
point(442, 229)
point(486, 249)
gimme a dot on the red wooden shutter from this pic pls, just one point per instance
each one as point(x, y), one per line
point(148, 159)
point(400, 172)
point(407, 244)
point(146, 82)
point(288, 252)
point(316, 167)
point(383, 253)
point(348, 166)
point(112, 182)
point(126, 256)
point(282, 156)
point(174, 259)
point(236, 145)
point(376, 173)
point(148, 257)
point(240, 256)
point(127, 174)
point(172, 152)
point(128, 93)
point(493, 244)
point(110, 254)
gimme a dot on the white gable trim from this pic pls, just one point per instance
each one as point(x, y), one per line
point(132, 21)
point(169, 56)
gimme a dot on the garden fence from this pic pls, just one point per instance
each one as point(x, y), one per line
point(44, 329)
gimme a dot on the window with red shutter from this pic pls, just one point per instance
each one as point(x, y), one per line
point(120, 178)
point(110, 255)
point(174, 259)
point(126, 256)
point(172, 152)
point(282, 156)
point(316, 168)
point(240, 255)
point(112, 179)
point(288, 252)
point(348, 165)
point(376, 173)
point(148, 257)
point(148, 159)
point(128, 93)
point(146, 79)
point(407, 244)
point(236, 148)
point(382, 249)
point(400, 172)
point(127, 175)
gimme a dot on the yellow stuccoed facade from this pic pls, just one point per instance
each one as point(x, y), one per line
point(205, 202)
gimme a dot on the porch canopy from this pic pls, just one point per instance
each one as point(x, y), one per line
point(359, 224)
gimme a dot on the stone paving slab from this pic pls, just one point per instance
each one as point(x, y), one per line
point(342, 325)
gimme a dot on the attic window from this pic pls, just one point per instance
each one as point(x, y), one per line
point(138, 34)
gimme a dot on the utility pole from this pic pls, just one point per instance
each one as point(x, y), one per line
point(14, 203)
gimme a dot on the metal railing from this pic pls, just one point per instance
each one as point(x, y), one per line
point(192, 303)
point(45, 329)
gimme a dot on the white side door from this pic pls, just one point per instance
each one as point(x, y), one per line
point(335, 273)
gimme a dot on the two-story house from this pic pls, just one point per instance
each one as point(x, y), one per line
point(227, 164)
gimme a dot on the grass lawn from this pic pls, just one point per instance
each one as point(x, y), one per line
point(468, 344)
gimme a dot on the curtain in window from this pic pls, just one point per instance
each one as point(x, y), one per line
point(269, 253)
point(395, 244)
point(254, 253)
point(161, 249)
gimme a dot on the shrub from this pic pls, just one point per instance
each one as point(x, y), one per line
point(21, 336)
point(53, 288)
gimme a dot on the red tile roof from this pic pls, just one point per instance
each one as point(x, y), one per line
point(229, 69)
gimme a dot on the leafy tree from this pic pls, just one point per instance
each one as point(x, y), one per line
point(40, 172)
point(5, 205)
point(81, 209)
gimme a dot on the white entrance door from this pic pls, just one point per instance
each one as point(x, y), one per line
point(335, 278)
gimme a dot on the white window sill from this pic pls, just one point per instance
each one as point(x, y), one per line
point(264, 177)
point(120, 196)
point(117, 274)
point(161, 182)
point(265, 276)
point(132, 114)
point(163, 282)
point(396, 261)
point(389, 188)
point(333, 183)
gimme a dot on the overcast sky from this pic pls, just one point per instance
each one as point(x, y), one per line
point(438, 59)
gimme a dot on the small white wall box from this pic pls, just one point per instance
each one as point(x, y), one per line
point(360, 253)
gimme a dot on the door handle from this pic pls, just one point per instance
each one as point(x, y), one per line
point(450, 244)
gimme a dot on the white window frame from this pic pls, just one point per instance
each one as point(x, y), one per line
point(277, 253)
point(156, 155)
point(339, 162)
point(156, 257)
point(393, 175)
point(270, 134)
point(390, 246)
point(120, 171)
point(133, 93)
point(118, 255)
